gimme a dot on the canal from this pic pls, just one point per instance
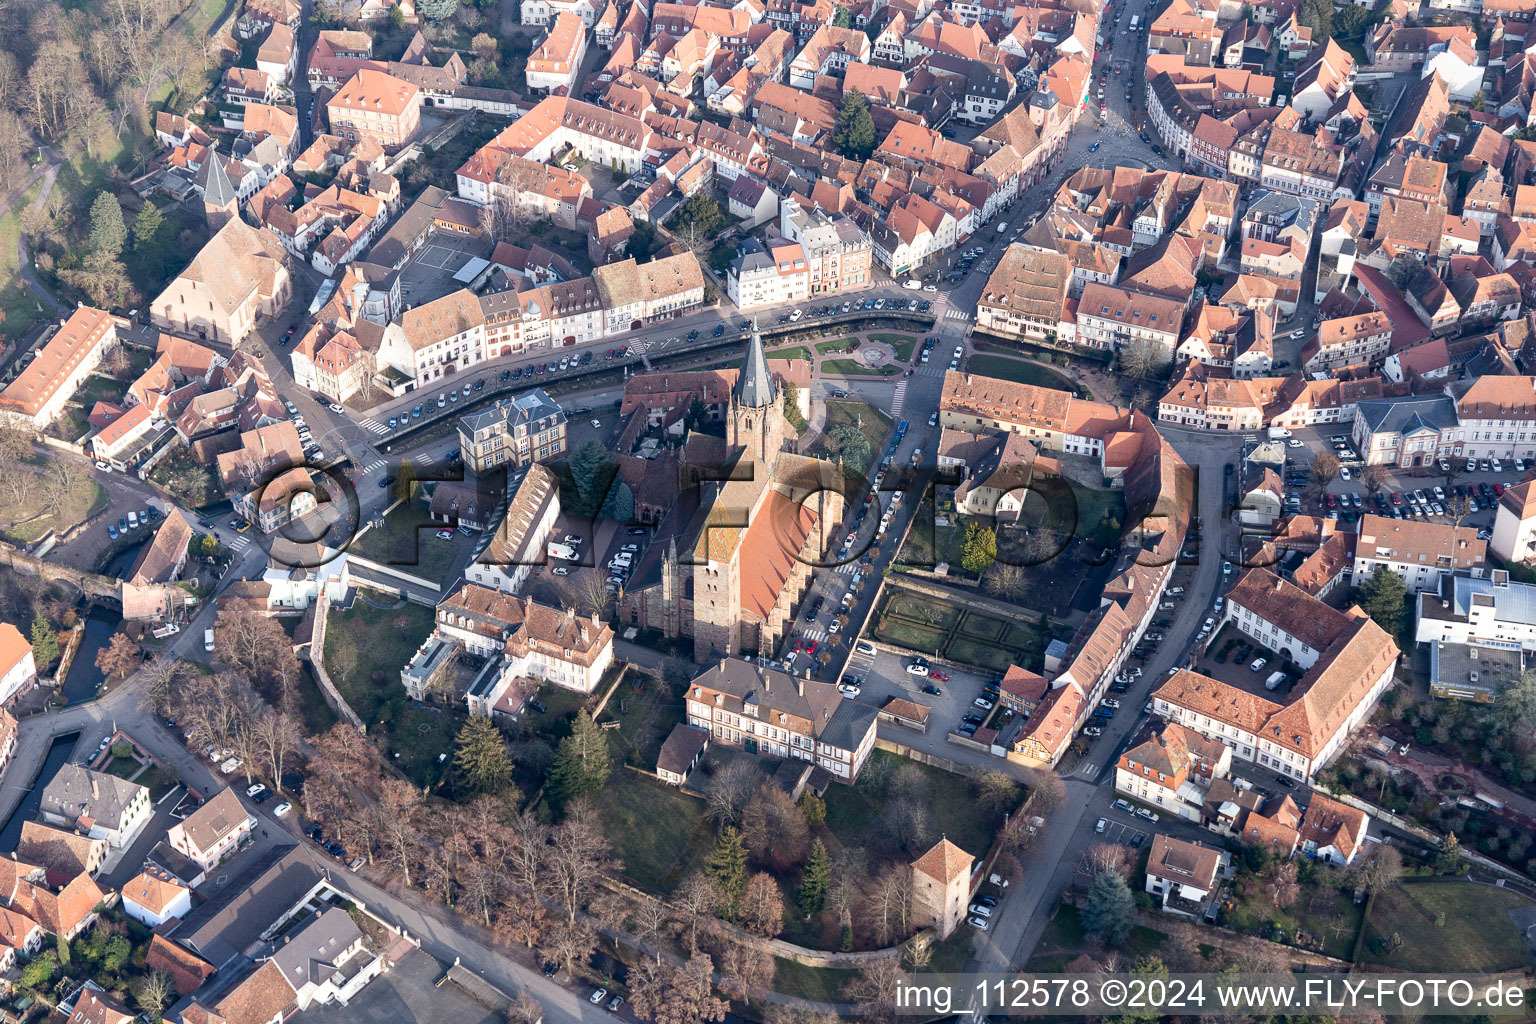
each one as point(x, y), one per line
point(58, 755)
point(84, 678)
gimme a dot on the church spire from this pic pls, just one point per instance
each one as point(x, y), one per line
point(755, 388)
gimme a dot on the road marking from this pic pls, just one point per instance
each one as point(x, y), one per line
point(372, 466)
point(898, 397)
point(374, 425)
point(423, 459)
point(956, 314)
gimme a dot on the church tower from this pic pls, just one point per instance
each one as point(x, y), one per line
point(221, 204)
point(755, 417)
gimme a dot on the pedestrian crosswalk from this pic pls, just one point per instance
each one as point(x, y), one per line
point(238, 543)
point(956, 314)
point(815, 634)
point(898, 397)
point(848, 568)
point(424, 459)
point(375, 464)
point(369, 423)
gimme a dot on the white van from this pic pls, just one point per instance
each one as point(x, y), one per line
point(565, 551)
point(1274, 680)
point(207, 639)
point(1278, 433)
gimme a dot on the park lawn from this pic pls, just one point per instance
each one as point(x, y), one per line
point(418, 736)
point(1477, 935)
point(1259, 917)
point(853, 811)
point(923, 609)
point(408, 543)
point(78, 504)
point(206, 14)
point(657, 831)
point(123, 767)
point(927, 545)
point(854, 368)
point(951, 954)
point(906, 634)
point(1020, 371)
point(365, 649)
point(793, 352)
point(158, 781)
point(983, 627)
point(821, 984)
point(902, 343)
point(980, 653)
point(20, 306)
point(645, 725)
point(872, 422)
point(837, 346)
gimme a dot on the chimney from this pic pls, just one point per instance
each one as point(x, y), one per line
point(800, 686)
point(95, 789)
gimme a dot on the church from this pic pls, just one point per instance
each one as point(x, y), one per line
point(734, 553)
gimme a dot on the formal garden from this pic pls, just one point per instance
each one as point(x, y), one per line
point(956, 632)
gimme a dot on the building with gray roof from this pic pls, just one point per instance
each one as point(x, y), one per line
point(100, 805)
point(514, 432)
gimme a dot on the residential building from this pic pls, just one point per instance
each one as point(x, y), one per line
point(1172, 770)
point(769, 712)
point(1348, 662)
point(1110, 317)
point(63, 853)
point(153, 898)
point(777, 275)
point(1184, 876)
point(838, 253)
point(1026, 295)
point(1332, 831)
point(1492, 611)
point(213, 832)
point(377, 107)
point(518, 543)
point(1514, 525)
point(556, 59)
point(100, 805)
point(18, 668)
point(681, 753)
point(1348, 341)
point(514, 432)
point(38, 394)
point(1422, 553)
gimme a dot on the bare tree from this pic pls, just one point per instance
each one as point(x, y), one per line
point(762, 908)
point(679, 995)
point(1047, 793)
point(277, 736)
point(1142, 358)
point(525, 1009)
point(569, 942)
point(775, 830)
point(1104, 857)
point(996, 792)
point(650, 919)
point(743, 970)
point(527, 851)
point(875, 989)
point(1381, 870)
point(398, 806)
point(162, 684)
point(697, 896)
point(891, 904)
point(578, 853)
point(154, 993)
point(1005, 580)
point(729, 790)
point(1325, 469)
point(119, 658)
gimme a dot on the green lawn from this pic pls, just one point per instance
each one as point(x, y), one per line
point(1020, 371)
point(365, 649)
point(656, 830)
point(854, 368)
point(21, 524)
point(19, 306)
point(903, 344)
point(645, 720)
point(793, 352)
point(1324, 912)
point(853, 811)
point(123, 767)
point(926, 611)
point(1477, 934)
point(874, 423)
point(906, 634)
point(822, 984)
point(419, 736)
point(408, 543)
point(837, 346)
point(159, 781)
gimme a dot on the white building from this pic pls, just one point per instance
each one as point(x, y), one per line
point(38, 394)
point(776, 276)
point(101, 805)
point(18, 665)
point(153, 899)
point(214, 831)
point(1514, 527)
point(1422, 553)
